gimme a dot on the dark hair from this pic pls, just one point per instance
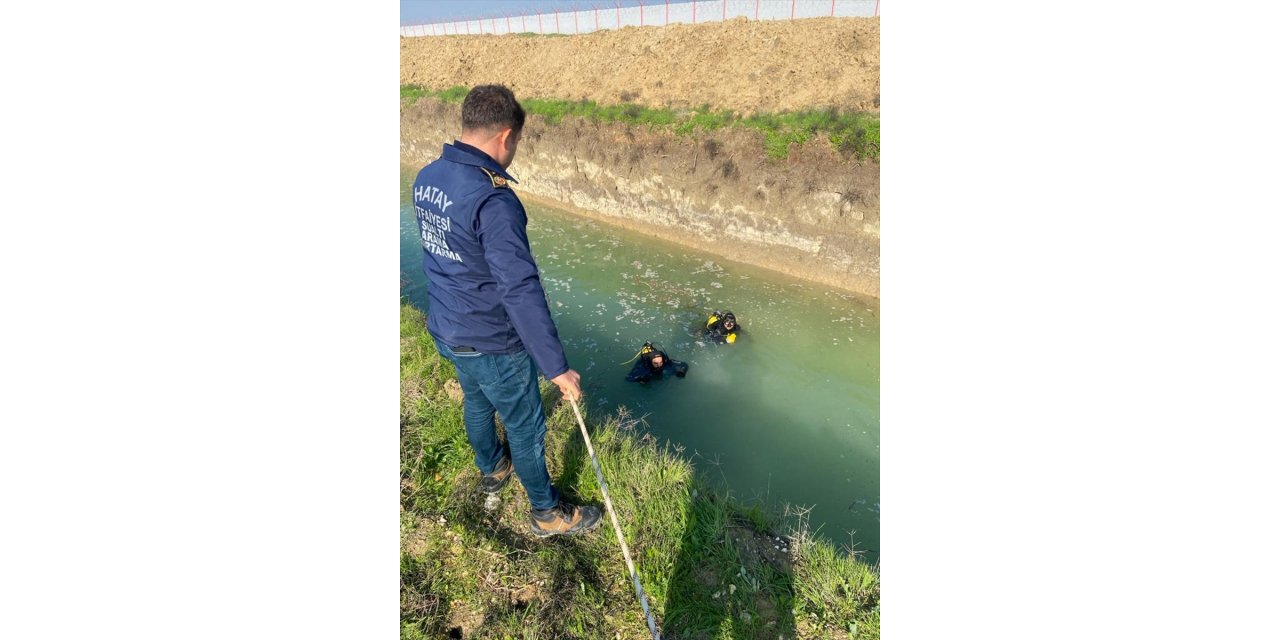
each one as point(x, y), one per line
point(491, 106)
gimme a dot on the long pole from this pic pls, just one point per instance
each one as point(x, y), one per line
point(626, 553)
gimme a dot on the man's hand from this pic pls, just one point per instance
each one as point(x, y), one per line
point(569, 384)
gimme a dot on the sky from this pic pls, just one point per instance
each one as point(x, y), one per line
point(427, 11)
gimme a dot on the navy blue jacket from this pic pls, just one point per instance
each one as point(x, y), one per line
point(485, 292)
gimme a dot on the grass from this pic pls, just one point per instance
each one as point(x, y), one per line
point(853, 133)
point(708, 564)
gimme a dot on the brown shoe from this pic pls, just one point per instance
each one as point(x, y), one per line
point(494, 482)
point(564, 518)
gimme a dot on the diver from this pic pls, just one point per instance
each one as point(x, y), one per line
point(652, 363)
point(722, 327)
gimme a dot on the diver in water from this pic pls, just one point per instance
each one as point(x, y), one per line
point(652, 363)
point(722, 327)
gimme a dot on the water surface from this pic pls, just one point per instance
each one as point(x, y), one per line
point(788, 414)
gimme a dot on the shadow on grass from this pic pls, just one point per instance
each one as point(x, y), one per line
point(732, 578)
point(560, 566)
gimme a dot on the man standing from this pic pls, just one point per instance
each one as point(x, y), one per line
point(487, 310)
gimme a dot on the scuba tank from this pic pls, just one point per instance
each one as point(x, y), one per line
point(645, 350)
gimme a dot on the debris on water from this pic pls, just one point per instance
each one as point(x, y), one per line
point(492, 501)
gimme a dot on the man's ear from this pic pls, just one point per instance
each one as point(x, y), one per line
point(504, 135)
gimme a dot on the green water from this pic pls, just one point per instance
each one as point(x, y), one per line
point(788, 414)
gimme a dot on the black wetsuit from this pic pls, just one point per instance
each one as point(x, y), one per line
point(644, 370)
point(718, 334)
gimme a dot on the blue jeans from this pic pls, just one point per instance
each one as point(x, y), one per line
point(507, 383)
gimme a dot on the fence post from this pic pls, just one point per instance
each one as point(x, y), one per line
point(724, 10)
point(833, 8)
point(666, 16)
point(597, 10)
point(695, 11)
point(539, 23)
point(757, 10)
point(877, 13)
point(642, 13)
point(793, 9)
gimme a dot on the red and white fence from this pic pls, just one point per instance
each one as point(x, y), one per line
point(609, 14)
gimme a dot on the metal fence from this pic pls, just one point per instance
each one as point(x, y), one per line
point(651, 13)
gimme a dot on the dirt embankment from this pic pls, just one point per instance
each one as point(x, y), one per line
point(741, 65)
point(815, 215)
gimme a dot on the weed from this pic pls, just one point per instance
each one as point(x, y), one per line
point(698, 552)
point(852, 133)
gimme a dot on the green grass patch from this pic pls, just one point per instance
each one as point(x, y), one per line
point(856, 133)
point(411, 93)
point(707, 563)
point(853, 133)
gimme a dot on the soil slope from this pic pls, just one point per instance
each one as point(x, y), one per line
point(741, 65)
point(814, 215)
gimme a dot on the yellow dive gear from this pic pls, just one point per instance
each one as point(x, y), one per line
point(646, 349)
